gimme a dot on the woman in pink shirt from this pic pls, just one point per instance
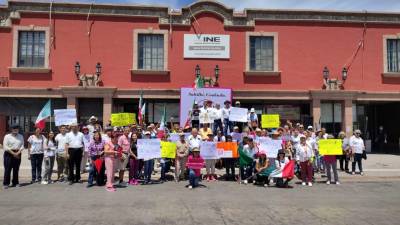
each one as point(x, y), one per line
point(195, 163)
point(110, 152)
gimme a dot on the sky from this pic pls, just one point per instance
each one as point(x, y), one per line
point(345, 5)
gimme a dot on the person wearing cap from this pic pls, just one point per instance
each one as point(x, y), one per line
point(262, 164)
point(194, 140)
point(194, 116)
point(74, 150)
point(218, 119)
point(148, 164)
point(62, 161)
point(13, 145)
point(87, 137)
point(252, 119)
point(236, 135)
point(228, 125)
point(125, 143)
point(357, 148)
point(250, 149)
point(36, 148)
point(280, 163)
point(194, 164)
point(258, 135)
point(304, 155)
point(92, 124)
point(182, 152)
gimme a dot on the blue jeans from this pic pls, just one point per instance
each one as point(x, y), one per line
point(193, 179)
point(227, 124)
point(148, 169)
point(165, 166)
point(36, 164)
point(217, 124)
point(246, 172)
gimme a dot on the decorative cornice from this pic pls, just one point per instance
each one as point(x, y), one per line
point(183, 17)
point(87, 92)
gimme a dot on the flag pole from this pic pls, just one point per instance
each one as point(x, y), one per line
point(50, 115)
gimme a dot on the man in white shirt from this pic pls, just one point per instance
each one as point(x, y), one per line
point(225, 116)
point(13, 144)
point(252, 119)
point(194, 140)
point(62, 164)
point(357, 148)
point(74, 150)
point(218, 120)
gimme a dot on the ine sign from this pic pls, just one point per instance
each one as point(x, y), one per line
point(206, 46)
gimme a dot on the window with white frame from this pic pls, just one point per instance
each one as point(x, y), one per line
point(261, 53)
point(393, 55)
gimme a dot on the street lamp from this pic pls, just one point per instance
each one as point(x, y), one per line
point(197, 71)
point(77, 69)
point(325, 73)
point(216, 72)
point(344, 73)
point(98, 68)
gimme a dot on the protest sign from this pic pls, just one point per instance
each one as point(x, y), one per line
point(330, 147)
point(148, 148)
point(190, 95)
point(271, 147)
point(123, 119)
point(208, 150)
point(168, 150)
point(270, 121)
point(238, 114)
point(230, 149)
point(173, 137)
point(65, 116)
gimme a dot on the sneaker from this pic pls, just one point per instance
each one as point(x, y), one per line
point(362, 173)
point(5, 187)
point(245, 181)
point(266, 185)
point(337, 183)
point(353, 173)
point(208, 178)
point(70, 183)
point(89, 185)
point(213, 178)
point(131, 182)
point(17, 185)
point(328, 182)
point(309, 184)
point(135, 182)
point(110, 189)
point(45, 182)
point(303, 183)
point(190, 187)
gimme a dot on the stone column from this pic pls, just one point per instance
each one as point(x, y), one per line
point(348, 116)
point(316, 113)
point(107, 109)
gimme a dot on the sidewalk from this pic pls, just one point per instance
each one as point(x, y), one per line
point(378, 167)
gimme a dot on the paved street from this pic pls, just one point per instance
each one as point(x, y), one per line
point(354, 203)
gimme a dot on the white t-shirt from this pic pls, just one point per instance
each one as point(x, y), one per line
point(51, 149)
point(75, 140)
point(61, 141)
point(217, 114)
point(225, 112)
point(37, 144)
point(357, 144)
point(194, 142)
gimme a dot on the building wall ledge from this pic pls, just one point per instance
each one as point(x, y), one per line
point(87, 92)
point(391, 74)
point(263, 73)
point(29, 70)
point(149, 72)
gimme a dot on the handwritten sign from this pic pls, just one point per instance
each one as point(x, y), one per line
point(238, 114)
point(148, 148)
point(208, 150)
point(271, 147)
point(270, 121)
point(65, 116)
point(168, 150)
point(230, 149)
point(123, 119)
point(330, 147)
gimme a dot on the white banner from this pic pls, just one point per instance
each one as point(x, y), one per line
point(238, 114)
point(65, 116)
point(148, 148)
point(209, 46)
point(190, 95)
point(208, 150)
point(271, 147)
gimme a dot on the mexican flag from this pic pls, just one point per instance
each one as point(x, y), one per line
point(286, 172)
point(198, 83)
point(43, 115)
point(141, 109)
point(244, 159)
point(163, 119)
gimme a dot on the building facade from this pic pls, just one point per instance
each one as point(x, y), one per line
point(339, 70)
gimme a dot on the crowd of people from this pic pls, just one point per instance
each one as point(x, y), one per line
point(105, 154)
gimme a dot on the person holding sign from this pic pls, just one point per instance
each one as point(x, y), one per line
point(195, 163)
point(148, 163)
point(304, 155)
point(330, 162)
point(133, 160)
point(205, 131)
point(210, 163)
point(96, 152)
point(125, 143)
point(182, 152)
point(262, 164)
point(252, 119)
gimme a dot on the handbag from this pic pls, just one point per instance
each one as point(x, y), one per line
point(364, 155)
